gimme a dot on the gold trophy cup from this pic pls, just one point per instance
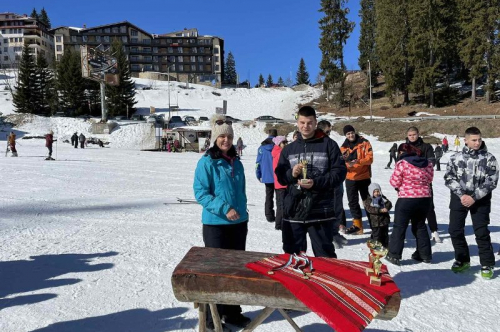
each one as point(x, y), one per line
point(377, 251)
point(304, 179)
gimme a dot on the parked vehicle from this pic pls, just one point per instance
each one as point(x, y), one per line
point(269, 118)
point(232, 119)
point(176, 121)
point(120, 118)
point(203, 118)
point(189, 118)
point(138, 117)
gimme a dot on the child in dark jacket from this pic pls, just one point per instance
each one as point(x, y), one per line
point(378, 206)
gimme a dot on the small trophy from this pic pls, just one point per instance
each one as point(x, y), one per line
point(304, 179)
point(377, 251)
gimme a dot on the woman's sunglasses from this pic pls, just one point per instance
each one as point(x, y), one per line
point(221, 122)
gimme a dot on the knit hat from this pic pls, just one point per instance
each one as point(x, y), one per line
point(217, 130)
point(279, 139)
point(348, 129)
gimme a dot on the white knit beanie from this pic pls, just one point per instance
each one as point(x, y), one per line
point(217, 130)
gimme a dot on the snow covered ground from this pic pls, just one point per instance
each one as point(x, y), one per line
point(86, 244)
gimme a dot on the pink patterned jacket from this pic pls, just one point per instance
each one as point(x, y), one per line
point(412, 181)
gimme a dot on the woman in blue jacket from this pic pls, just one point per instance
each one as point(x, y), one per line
point(219, 186)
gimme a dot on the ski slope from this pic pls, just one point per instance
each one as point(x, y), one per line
point(86, 244)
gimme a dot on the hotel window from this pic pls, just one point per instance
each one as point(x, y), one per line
point(202, 50)
point(217, 67)
point(193, 67)
point(107, 30)
point(98, 39)
point(181, 67)
point(192, 58)
point(208, 59)
point(171, 58)
point(134, 58)
point(3, 31)
point(84, 38)
point(106, 39)
point(115, 30)
point(156, 68)
point(179, 41)
point(124, 39)
point(123, 29)
point(59, 48)
point(135, 67)
point(6, 40)
point(147, 58)
point(194, 50)
point(201, 67)
point(216, 58)
point(134, 49)
point(155, 59)
point(146, 49)
point(155, 49)
point(179, 58)
point(192, 41)
point(170, 50)
point(179, 50)
point(58, 39)
point(216, 50)
point(134, 33)
point(146, 41)
point(134, 40)
point(5, 49)
point(6, 58)
point(73, 39)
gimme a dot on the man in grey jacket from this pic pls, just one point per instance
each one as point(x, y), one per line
point(472, 175)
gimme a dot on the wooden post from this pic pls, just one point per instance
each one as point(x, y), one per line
point(290, 320)
point(216, 317)
point(266, 312)
point(202, 316)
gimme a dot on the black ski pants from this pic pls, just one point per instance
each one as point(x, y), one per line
point(280, 198)
point(355, 189)
point(321, 234)
point(412, 210)
point(82, 145)
point(76, 144)
point(392, 157)
point(269, 205)
point(338, 205)
point(225, 237)
point(480, 215)
point(431, 217)
point(438, 164)
point(50, 151)
point(381, 234)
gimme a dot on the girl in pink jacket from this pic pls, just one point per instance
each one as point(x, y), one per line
point(412, 179)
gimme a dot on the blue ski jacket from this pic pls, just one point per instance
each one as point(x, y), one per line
point(219, 186)
point(264, 163)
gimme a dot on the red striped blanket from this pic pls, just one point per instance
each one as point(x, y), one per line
point(338, 291)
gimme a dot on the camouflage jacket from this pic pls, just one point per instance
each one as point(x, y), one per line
point(473, 173)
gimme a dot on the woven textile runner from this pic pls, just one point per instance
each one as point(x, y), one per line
point(339, 291)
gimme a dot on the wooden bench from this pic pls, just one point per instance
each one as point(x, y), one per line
point(217, 276)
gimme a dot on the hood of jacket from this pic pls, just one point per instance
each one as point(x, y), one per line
point(318, 135)
point(372, 187)
point(417, 161)
point(474, 153)
point(267, 141)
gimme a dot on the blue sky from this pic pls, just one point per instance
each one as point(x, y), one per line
point(267, 37)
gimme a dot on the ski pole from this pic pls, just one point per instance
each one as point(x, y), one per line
point(56, 148)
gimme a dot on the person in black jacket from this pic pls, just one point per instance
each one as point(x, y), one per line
point(413, 138)
point(392, 155)
point(438, 153)
point(308, 204)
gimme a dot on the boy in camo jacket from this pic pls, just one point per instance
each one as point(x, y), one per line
point(471, 176)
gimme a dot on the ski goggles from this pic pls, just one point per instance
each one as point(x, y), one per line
point(221, 122)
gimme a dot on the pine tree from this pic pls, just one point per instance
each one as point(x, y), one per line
point(44, 18)
point(281, 82)
point(23, 97)
point(34, 14)
point(45, 95)
point(335, 30)
point(392, 36)
point(479, 26)
point(230, 76)
point(367, 38)
point(261, 80)
point(302, 74)
point(269, 82)
point(121, 97)
point(70, 83)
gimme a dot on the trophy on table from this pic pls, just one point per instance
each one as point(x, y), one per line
point(304, 179)
point(377, 251)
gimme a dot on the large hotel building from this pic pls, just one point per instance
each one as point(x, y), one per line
point(185, 55)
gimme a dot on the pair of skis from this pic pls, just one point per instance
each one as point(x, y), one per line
point(182, 201)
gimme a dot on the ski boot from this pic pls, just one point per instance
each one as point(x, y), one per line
point(459, 267)
point(487, 272)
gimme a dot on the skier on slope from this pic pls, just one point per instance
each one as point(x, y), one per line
point(49, 140)
point(12, 143)
point(81, 138)
point(74, 140)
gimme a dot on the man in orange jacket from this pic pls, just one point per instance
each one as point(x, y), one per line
point(358, 156)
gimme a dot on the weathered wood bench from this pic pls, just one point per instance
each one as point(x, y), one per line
point(217, 276)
